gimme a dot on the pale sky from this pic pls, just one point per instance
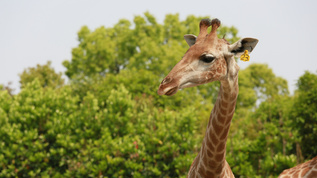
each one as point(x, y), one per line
point(33, 32)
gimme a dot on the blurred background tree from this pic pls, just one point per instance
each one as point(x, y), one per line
point(44, 73)
point(304, 113)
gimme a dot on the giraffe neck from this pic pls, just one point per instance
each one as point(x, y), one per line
point(210, 161)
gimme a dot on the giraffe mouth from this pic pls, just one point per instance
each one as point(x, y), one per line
point(188, 84)
point(172, 91)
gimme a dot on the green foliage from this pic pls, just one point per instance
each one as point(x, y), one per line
point(45, 73)
point(149, 45)
point(7, 87)
point(47, 133)
point(261, 83)
point(304, 113)
point(110, 122)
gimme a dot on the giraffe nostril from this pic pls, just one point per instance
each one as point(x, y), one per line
point(166, 80)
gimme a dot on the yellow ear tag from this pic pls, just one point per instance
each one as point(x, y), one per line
point(245, 56)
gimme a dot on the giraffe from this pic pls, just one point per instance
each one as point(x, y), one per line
point(210, 59)
point(307, 170)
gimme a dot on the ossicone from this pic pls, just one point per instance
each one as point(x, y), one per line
point(204, 25)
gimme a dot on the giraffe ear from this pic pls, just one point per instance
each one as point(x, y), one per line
point(238, 48)
point(190, 39)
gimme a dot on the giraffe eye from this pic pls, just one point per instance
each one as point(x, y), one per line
point(207, 58)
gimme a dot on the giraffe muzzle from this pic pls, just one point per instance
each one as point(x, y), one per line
point(166, 80)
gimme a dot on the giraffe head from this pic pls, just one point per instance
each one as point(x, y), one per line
point(208, 59)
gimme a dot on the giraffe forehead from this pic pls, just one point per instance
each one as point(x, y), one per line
point(197, 50)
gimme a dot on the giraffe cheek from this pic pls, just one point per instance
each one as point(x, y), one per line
point(219, 70)
point(211, 76)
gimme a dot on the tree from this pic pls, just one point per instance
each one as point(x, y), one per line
point(263, 81)
point(8, 88)
point(45, 73)
point(304, 113)
point(149, 45)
